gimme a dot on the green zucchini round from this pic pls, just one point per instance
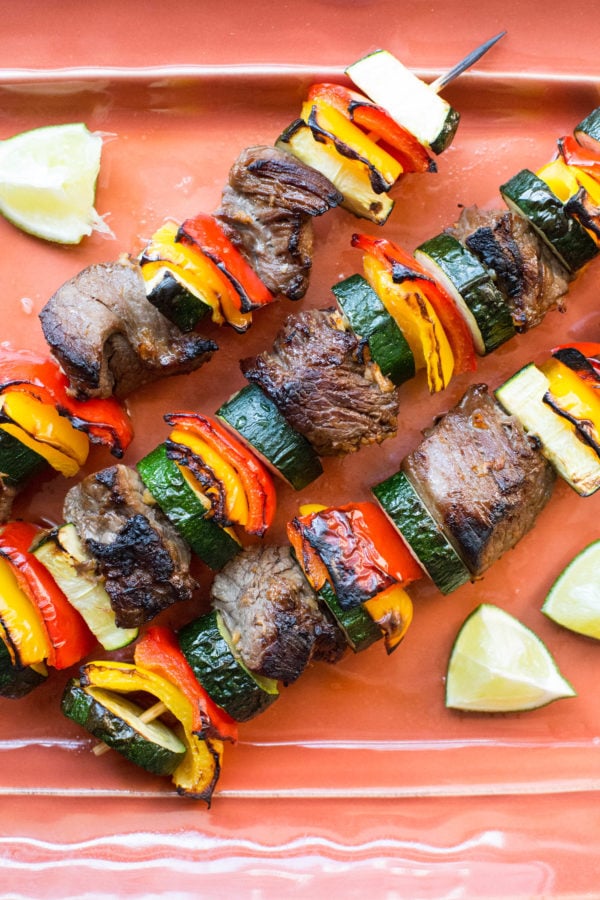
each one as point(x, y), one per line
point(175, 299)
point(432, 549)
point(184, 508)
point(258, 421)
point(18, 681)
point(208, 648)
point(116, 721)
point(531, 198)
point(17, 461)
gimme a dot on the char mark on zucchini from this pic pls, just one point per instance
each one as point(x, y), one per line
point(481, 477)
point(273, 614)
point(109, 339)
point(144, 562)
point(317, 377)
point(267, 210)
point(531, 278)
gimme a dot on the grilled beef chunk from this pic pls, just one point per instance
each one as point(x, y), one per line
point(527, 272)
point(317, 377)
point(266, 210)
point(144, 562)
point(7, 496)
point(482, 478)
point(109, 339)
point(273, 614)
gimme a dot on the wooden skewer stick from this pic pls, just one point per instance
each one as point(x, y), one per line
point(153, 712)
point(464, 64)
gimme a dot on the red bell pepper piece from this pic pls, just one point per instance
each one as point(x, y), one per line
point(69, 635)
point(405, 268)
point(257, 481)
point(158, 650)
point(204, 232)
point(575, 155)
point(363, 553)
point(104, 421)
point(373, 119)
point(591, 352)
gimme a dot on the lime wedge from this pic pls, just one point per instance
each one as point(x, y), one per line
point(574, 598)
point(499, 665)
point(48, 182)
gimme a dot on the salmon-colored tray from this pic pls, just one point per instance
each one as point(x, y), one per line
point(371, 728)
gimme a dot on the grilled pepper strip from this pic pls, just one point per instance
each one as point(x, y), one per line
point(104, 421)
point(197, 775)
point(403, 265)
point(204, 232)
point(70, 638)
point(256, 480)
point(159, 651)
point(22, 628)
point(575, 399)
point(380, 126)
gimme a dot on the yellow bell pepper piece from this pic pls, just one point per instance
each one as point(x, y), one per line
point(393, 611)
point(307, 509)
point(335, 123)
point(23, 630)
point(565, 180)
point(199, 770)
point(413, 313)
point(199, 274)
point(41, 428)
point(236, 501)
point(573, 395)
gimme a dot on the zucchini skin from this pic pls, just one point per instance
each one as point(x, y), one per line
point(432, 549)
point(257, 419)
point(359, 628)
point(474, 283)
point(532, 198)
point(229, 683)
point(18, 462)
point(176, 302)
point(84, 709)
point(16, 681)
point(370, 321)
point(211, 543)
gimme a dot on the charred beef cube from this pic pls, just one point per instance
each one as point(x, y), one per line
point(267, 209)
point(109, 339)
point(316, 376)
point(481, 477)
point(273, 614)
point(144, 562)
point(531, 278)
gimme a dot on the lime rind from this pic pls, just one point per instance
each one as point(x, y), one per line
point(498, 665)
point(48, 180)
point(574, 599)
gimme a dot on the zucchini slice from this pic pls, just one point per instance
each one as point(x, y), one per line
point(587, 132)
point(359, 628)
point(186, 509)
point(407, 99)
point(370, 321)
point(17, 681)
point(118, 722)
point(64, 555)
point(531, 198)
point(173, 296)
point(349, 176)
point(209, 649)
point(523, 397)
point(427, 542)
point(285, 451)
point(17, 461)
point(470, 285)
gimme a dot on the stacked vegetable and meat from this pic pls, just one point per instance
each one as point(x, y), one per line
point(470, 491)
